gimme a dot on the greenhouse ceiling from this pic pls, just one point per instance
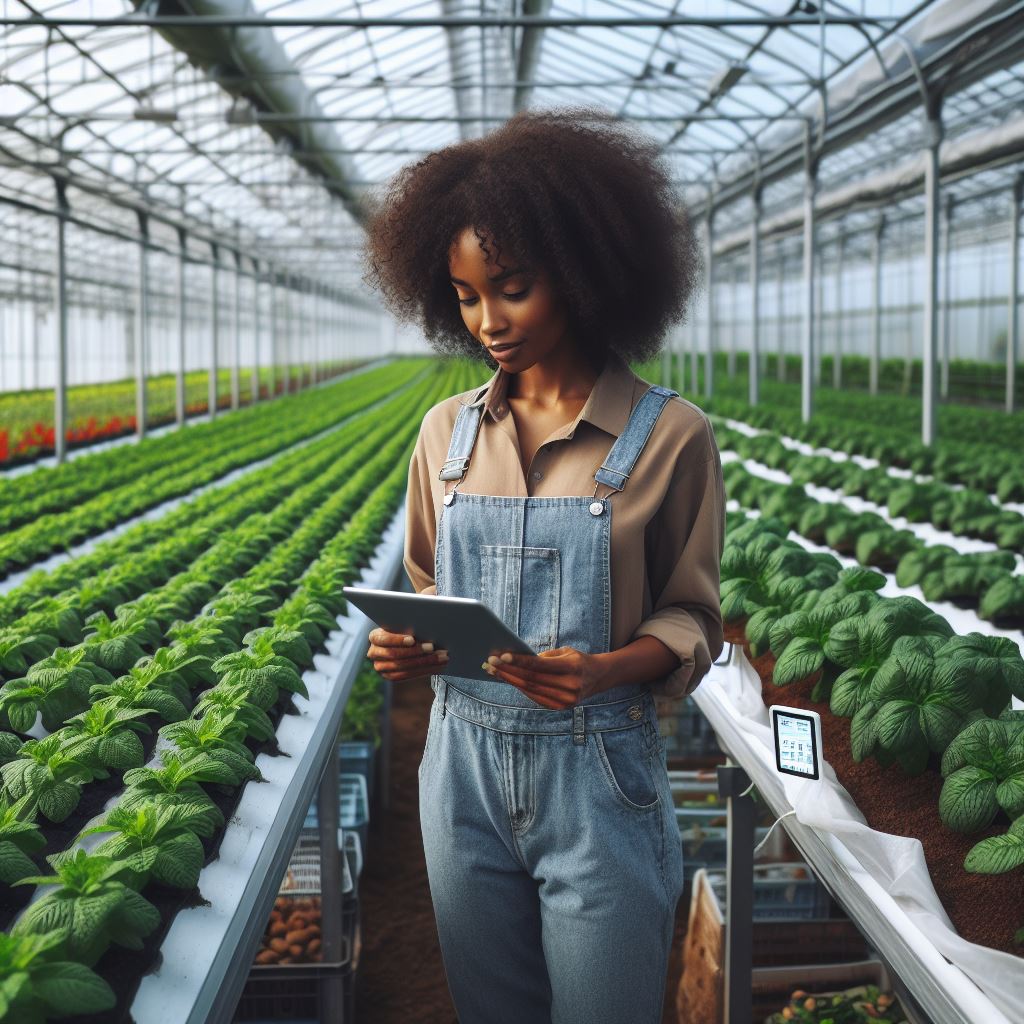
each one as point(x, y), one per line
point(261, 125)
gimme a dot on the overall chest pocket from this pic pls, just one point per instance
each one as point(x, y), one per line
point(522, 586)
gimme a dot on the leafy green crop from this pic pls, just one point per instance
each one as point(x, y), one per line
point(38, 984)
point(93, 905)
point(917, 703)
point(984, 771)
point(216, 735)
point(176, 783)
point(19, 837)
point(55, 687)
point(998, 854)
point(158, 842)
point(105, 736)
point(49, 775)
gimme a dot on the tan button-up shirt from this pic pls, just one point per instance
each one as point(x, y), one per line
point(668, 523)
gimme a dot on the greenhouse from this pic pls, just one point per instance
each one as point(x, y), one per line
point(738, 737)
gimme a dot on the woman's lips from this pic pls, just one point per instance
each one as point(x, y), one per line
point(505, 351)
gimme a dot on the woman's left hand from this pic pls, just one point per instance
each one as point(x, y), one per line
point(557, 679)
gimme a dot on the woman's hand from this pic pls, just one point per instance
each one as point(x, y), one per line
point(398, 656)
point(555, 679)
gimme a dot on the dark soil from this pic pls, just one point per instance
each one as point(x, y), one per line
point(986, 909)
point(401, 977)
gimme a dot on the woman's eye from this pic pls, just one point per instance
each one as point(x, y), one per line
point(508, 295)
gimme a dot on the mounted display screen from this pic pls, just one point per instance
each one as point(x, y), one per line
point(797, 742)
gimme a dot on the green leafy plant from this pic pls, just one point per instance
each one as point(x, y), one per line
point(19, 837)
point(177, 783)
point(917, 703)
point(984, 772)
point(105, 735)
point(234, 699)
point(159, 842)
point(217, 735)
point(998, 854)
point(93, 904)
point(118, 643)
point(54, 687)
point(38, 983)
point(262, 672)
point(49, 775)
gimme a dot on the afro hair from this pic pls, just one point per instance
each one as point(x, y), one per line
point(573, 191)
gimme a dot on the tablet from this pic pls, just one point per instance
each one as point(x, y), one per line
point(797, 733)
point(463, 626)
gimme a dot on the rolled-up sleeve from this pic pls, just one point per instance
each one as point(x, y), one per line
point(420, 522)
point(683, 547)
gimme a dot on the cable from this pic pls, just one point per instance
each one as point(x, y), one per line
point(771, 830)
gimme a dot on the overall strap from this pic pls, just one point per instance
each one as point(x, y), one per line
point(467, 425)
point(630, 443)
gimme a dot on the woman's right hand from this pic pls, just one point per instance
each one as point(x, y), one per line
point(398, 656)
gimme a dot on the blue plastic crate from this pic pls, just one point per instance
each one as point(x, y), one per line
point(354, 805)
point(781, 891)
point(358, 756)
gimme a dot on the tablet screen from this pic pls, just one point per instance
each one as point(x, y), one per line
point(796, 751)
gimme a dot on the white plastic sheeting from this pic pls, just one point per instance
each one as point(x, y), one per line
point(881, 879)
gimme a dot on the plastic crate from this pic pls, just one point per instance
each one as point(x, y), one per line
point(781, 891)
point(292, 991)
point(685, 732)
point(353, 807)
point(694, 786)
point(358, 756)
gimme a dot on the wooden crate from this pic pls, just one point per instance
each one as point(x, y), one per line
point(803, 946)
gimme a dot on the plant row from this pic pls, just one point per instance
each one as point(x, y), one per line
point(101, 411)
point(162, 570)
point(54, 531)
point(900, 413)
point(966, 511)
point(982, 580)
point(980, 464)
point(251, 643)
point(916, 694)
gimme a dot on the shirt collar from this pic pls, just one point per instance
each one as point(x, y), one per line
point(608, 407)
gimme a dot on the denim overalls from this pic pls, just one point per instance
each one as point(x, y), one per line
point(551, 843)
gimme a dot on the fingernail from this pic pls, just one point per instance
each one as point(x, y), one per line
point(408, 640)
point(493, 659)
point(506, 657)
point(486, 667)
point(442, 656)
point(427, 647)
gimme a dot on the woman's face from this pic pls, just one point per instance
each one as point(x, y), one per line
point(505, 305)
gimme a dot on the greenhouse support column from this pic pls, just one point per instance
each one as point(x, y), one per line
point(876, 306)
point(179, 375)
point(60, 302)
point(236, 362)
point(142, 329)
point(211, 390)
point(753, 362)
point(730, 357)
point(272, 369)
point(947, 290)
point(807, 326)
point(318, 328)
point(929, 351)
point(1013, 315)
point(332, 939)
point(837, 363)
point(254, 378)
point(780, 370)
point(709, 331)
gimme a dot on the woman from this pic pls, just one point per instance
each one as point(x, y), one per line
point(587, 509)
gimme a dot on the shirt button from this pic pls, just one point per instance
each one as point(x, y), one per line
point(500, 409)
point(537, 474)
